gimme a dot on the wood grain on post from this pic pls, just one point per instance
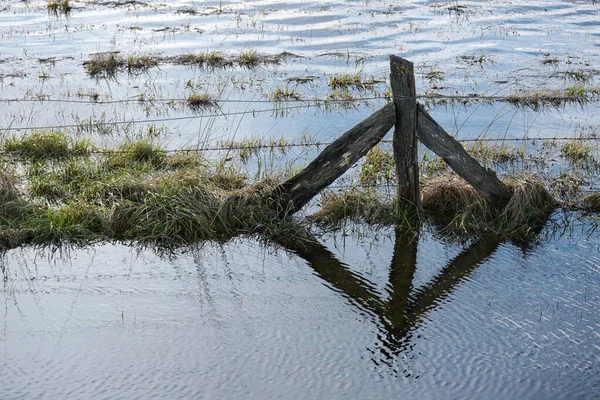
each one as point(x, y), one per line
point(334, 161)
point(485, 181)
point(405, 143)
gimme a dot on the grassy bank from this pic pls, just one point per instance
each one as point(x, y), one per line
point(55, 189)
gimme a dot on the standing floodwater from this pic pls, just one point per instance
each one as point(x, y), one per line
point(361, 320)
point(258, 88)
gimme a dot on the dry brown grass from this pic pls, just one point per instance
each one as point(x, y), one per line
point(458, 207)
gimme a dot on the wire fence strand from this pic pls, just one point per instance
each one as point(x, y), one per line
point(466, 97)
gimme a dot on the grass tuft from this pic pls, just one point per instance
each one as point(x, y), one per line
point(200, 101)
point(249, 58)
point(591, 202)
point(104, 65)
point(59, 7)
point(459, 208)
point(47, 145)
point(208, 59)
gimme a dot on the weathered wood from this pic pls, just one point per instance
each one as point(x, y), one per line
point(405, 145)
point(334, 160)
point(485, 181)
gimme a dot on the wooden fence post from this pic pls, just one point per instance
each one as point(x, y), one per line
point(405, 142)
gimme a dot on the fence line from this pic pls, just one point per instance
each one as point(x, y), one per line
point(473, 97)
point(153, 120)
point(275, 146)
point(184, 100)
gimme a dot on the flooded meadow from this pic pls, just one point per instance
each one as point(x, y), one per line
point(221, 95)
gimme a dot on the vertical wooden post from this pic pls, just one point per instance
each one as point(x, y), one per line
point(405, 143)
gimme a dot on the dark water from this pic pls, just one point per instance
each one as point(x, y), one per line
point(365, 316)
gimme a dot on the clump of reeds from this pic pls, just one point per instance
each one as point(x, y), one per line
point(104, 65)
point(459, 208)
point(197, 101)
point(578, 153)
point(249, 58)
point(140, 63)
point(281, 94)
point(59, 7)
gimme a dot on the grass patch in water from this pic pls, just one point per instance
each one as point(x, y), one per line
point(458, 207)
point(448, 201)
point(348, 80)
point(136, 192)
point(282, 94)
point(107, 65)
point(210, 59)
point(140, 63)
point(59, 7)
point(578, 152)
point(198, 102)
point(104, 65)
point(46, 145)
point(540, 99)
point(249, 58)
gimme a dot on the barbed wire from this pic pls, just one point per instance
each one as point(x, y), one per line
point(86, 125)
point(140, 100)
point(241, 146)
point(541, 97)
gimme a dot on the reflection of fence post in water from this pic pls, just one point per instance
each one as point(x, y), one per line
point(405, 308)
